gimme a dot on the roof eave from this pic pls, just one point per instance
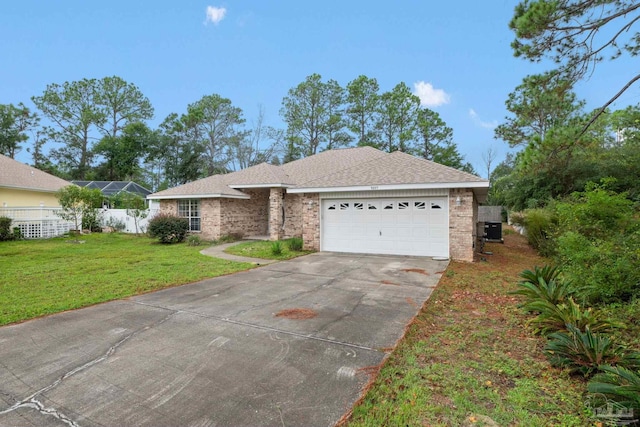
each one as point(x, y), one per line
point(197, 196)
point(41, 190)
point(388, 187)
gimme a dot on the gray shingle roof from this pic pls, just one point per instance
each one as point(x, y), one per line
point(392, 169)
point(360, 166)
point(14, 174)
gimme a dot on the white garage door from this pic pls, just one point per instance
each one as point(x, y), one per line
point(401, 226)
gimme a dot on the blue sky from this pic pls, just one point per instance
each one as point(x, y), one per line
point(252, 53)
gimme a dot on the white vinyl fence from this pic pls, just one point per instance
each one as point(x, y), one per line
point(37, 223)
point(115, 217)
point(42, 223)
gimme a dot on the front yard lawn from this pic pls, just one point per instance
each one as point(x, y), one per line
point(262, 249)
point(469, 359)
point(39, 277)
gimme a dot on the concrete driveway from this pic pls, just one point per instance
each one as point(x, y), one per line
point(215, 352)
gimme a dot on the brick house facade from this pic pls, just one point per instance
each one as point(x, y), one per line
point(286, 201)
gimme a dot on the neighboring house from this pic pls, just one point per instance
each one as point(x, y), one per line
point(26, 186)
point(359, 200)
point(113, 188)
point(28, 197)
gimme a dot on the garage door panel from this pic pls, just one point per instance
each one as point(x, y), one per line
point(404, 226)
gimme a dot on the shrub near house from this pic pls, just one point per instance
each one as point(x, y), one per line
point(168, 228)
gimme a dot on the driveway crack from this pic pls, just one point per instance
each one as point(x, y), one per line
point(32, 402)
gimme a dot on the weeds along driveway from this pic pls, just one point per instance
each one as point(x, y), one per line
point(291, 343)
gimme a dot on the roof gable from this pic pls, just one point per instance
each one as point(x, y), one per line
point(14, 174)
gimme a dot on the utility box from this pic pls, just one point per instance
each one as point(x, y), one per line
point(493, 231)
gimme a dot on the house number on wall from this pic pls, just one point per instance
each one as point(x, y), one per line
point(374, 187)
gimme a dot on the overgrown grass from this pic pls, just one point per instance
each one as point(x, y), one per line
point(469, 355)
point(40, 277)
point(263, 249)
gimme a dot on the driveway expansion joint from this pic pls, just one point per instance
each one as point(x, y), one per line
point(266, 328)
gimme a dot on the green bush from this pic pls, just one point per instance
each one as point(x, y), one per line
point(586, 352)
point(295, 244)
point(540, 225)
point(168, 228)
point(618, 383)
point(276, 248)
point(561, 317)
point(542, 284)
point(17, 233)
point(194, 240)
point(603, 270)
point(5, 229)
point(230, 238)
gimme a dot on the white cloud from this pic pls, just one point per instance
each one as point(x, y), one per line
point(476, 119)
point(215, 14)
point(430, 96)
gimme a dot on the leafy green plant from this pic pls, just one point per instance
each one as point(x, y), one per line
point(542, 284)
point(17, 233)
point(276, 247)
point(194, 240)
point(560, 317)
point(5, 229)
point(539, 224)
point(619, 384)
point(586, 352)
point(295, 244)
point(80, 206)
point(168, 228)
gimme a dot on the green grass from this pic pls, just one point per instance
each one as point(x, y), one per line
point(470, 354)
point(40, 277)
point(262, 249)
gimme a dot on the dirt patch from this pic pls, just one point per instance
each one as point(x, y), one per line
point(388, 282)
point(415, 270)
point(297, 313)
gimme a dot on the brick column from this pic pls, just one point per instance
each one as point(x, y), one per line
point(275, 214)
point(311, 221)
point(462, 224)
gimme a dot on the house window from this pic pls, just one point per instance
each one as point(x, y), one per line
point(419, 205)
point(388, 206)
point(190, 209)
point(344, 206)
point(435, 206)
point(403, 205)
point(358, 206)
point(371, 206)
point(332, 207)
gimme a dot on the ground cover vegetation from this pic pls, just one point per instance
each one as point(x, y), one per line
point(47, 276)
point(280, 250)
point(471, 357)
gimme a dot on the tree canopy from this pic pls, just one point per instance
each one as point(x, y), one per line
point(577, 35)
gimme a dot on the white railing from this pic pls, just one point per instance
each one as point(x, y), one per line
point(42, 223)
point(37, 223)
point(111, 217)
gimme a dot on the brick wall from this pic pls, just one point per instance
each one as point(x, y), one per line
point(210, 219)
point(276, 213)
point(293, 215)
point(462, 220)
point(311, 221)
point(219, 217)
point(248, 217)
